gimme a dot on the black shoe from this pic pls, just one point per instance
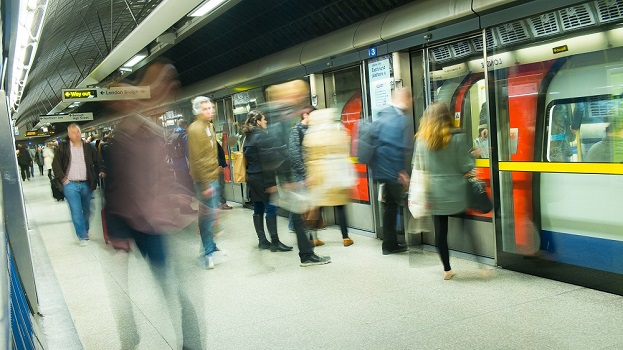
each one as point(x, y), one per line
point(264, 245)
point(277, 246)
point(399, 249)
point(315, 260)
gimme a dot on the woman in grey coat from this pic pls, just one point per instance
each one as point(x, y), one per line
point(446, 159)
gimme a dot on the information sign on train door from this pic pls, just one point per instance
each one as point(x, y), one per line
point(379, 71)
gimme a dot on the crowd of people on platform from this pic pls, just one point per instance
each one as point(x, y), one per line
point(296, 158)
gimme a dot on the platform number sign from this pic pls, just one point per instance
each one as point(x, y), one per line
point(372, 52)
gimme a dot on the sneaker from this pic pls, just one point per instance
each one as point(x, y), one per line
point(83, 242)
point(208, 262)
point(224, 206)
point(348, 242)
point(315, 260)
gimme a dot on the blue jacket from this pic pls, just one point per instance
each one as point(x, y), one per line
point(390, 133)
point(180, 164)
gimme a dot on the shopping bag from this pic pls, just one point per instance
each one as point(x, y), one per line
point(240, 167)
point(417, 200)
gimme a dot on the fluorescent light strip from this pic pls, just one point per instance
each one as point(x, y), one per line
point(134, 60)
point(206, 8)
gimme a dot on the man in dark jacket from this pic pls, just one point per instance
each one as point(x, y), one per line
point(24, 160)
point(295, 147)
point(390, 167)
point(222, 163)
point(287, 101)
point(78, 164)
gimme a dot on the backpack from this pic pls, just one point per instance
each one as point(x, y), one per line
point(175, 145)
point(365, 142)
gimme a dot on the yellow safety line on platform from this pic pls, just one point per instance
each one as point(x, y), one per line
point(578, 168)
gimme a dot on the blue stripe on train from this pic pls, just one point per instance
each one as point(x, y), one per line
point(592, 252)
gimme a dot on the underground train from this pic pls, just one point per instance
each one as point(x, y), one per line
point(535, 85)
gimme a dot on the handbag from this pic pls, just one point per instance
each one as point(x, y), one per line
point(477, 197)
point(417, 201)
point(313, 219)
point(240, 165)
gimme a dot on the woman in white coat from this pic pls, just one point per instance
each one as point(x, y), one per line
point(48, 156)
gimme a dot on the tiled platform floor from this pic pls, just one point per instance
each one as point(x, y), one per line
point(264, 300)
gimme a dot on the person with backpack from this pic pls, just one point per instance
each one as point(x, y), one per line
point(177, 152)
point(389, 167)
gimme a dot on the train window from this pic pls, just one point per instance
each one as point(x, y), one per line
point(587, 130)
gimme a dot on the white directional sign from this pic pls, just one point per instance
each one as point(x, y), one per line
point(62, 118)
point(106, 94)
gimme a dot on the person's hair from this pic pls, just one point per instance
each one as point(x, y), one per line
point(251, 123)
point(197, 104)
point(436, 126)
point(182, 123)
point(73, 125)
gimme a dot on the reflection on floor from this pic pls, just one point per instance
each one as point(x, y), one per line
point(264, 300)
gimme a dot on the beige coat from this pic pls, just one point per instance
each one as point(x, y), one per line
point(330, 173)
point(203, 153)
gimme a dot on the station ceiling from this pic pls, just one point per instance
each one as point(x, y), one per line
point(79, 34)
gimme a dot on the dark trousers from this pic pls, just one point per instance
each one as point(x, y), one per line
point(340, 210)
point(41, 169)
point(305, 248)
point(393, 196)
point(440, 223)
point(221, 181)
point(25, 171)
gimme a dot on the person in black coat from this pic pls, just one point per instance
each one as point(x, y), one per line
point(255, 148)
point(24, 160)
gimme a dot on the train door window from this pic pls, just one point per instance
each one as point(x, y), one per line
point(454, 81)
point(585, 130)
point(243, 103)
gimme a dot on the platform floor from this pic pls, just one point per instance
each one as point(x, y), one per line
point(264, 300)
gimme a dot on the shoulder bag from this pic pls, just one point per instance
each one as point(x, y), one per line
point(418, 188)
point(477, 197)
point(240, 165)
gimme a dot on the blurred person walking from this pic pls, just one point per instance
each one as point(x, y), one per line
point(330, 173)
point(48, 157)
point(141, 205)
point(39, 159)
point(285, 103)
point(258, 182)
point(78, 166)
point(24, 161)
point(446, 160)
point(390, 163)
point(204, 169)
point(295, 147)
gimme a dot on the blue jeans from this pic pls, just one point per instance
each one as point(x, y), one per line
point(207, 217)
point(78, 195)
